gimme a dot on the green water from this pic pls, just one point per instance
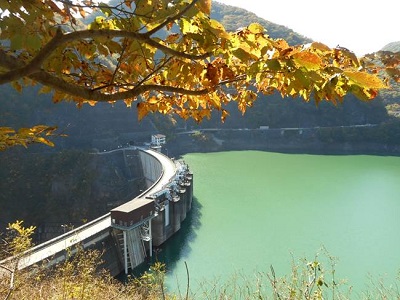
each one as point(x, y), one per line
point(256, 209)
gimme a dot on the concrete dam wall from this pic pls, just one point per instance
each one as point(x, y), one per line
point(127, 234)
point(156, 214)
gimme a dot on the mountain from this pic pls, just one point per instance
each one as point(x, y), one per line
point(392, 96)
point(393, 47)
point(233, 18)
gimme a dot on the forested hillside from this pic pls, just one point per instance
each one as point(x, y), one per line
point(392, 96)
point(234, 18)
point(393, 47)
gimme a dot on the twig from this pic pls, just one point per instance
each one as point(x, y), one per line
point(171, 19)
point(188, 282)
point(11, 280)
point(273, 283)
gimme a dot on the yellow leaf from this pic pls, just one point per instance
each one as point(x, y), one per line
point(215, 101)
point(45, 90)
point(6, 130)
point(152, 100)
point(255, 28)
point(362, 93)
point(365, 80)
point(351, 57)
point(245, 53)
point(224, 114)
point(45, 141)
point(218, 29)
point(205, 113)
point(281, 44)
point(308, 60)
point(187, 27)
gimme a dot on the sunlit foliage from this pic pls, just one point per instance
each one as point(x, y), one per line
point(167, 57)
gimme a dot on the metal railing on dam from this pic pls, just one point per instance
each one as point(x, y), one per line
point(164, 203)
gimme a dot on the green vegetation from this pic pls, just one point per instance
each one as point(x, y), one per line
point(80, 277)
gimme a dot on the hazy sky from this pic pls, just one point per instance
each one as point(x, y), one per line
point(363, 26)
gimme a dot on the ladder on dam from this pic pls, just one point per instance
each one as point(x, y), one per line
point(132, 248)
point(131, 244)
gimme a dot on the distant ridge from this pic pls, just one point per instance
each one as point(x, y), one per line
point(234, 17)
point(392, 95)
point(393, 47)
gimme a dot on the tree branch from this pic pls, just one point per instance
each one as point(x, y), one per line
point(80, 91)
point(12, 274)
point(17, 71)
point(108, 33)
point(171, 19)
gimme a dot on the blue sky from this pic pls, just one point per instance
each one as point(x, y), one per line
point(363, 26)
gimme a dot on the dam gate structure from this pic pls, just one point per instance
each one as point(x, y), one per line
point(128, 233)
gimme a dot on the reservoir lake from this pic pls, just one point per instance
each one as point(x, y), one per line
point(255, 209)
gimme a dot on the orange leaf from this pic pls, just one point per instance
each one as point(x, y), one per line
point(172, 38)
point(128, 102)
point(128, 3)
point(308, 60)
point(212, 74)
point(142, 110)
point(204, 6)
point(321, 47)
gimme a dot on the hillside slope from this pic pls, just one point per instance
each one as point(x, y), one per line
point(234, 17)
point(393, 47)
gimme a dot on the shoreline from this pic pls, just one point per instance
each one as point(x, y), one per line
point(252, 140)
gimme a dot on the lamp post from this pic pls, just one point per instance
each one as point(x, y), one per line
point(64, 227)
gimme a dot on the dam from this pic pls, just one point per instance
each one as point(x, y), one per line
point(127, 234)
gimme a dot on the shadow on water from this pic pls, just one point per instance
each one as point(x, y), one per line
point(177, 246)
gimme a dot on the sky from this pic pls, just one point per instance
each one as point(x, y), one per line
point(363, 26)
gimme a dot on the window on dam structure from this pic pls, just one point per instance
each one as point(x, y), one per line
point(167, 213)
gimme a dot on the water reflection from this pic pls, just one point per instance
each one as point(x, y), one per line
point(177, 248)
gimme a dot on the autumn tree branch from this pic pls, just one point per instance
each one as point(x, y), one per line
point(17, 71)
point(80, 91)
point(142, 37)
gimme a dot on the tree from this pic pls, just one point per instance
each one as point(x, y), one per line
point(165, 56)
